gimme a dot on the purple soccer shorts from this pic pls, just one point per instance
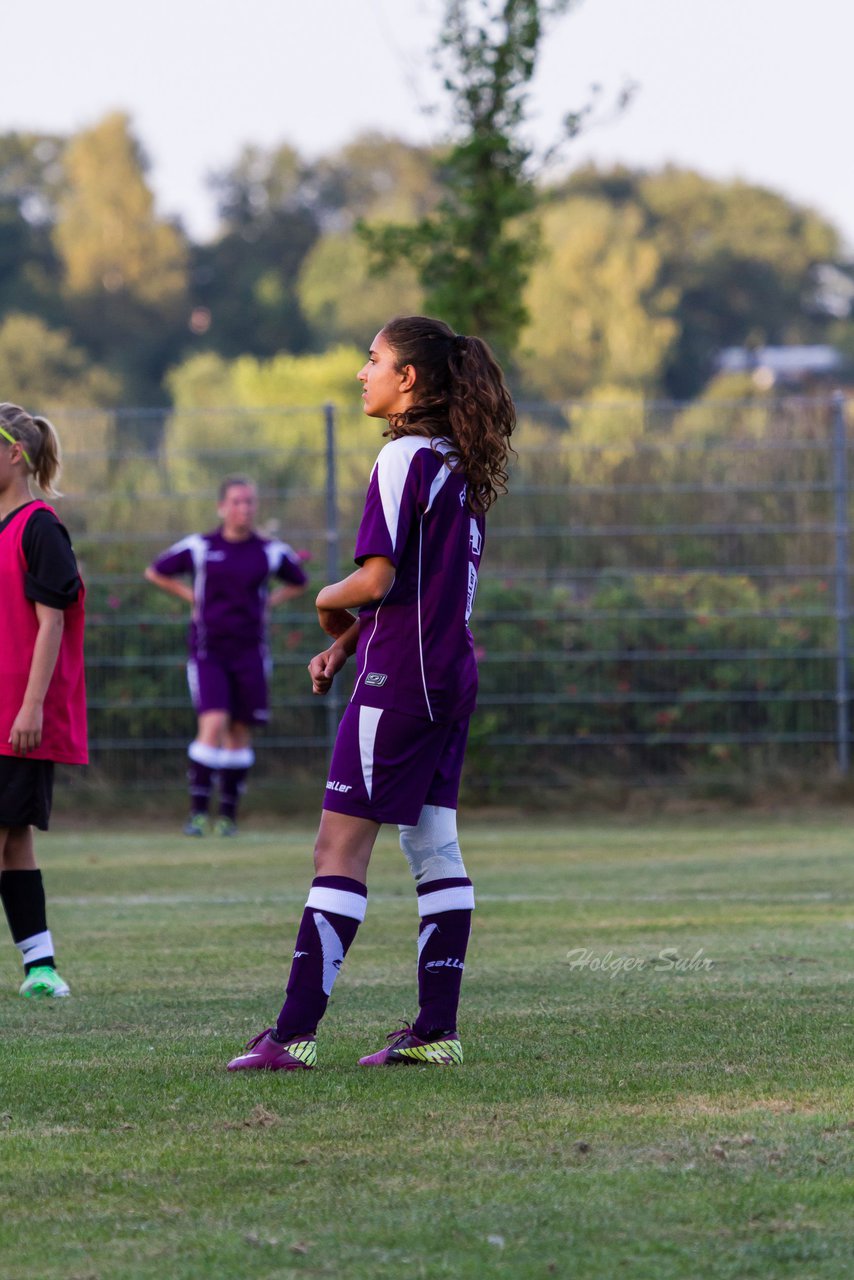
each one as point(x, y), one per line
point(237, 684)
point(386, 766)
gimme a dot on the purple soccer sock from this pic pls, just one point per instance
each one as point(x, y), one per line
point(232, 784)
point(204, 762)
point(200, 778)
point(445, 908)
point(334, 910)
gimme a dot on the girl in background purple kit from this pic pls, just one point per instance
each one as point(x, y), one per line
point(401, 742)
point(228, 665)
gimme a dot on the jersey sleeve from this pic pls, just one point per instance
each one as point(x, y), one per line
point(52, 576)
point(391, 505)
point(177, 559)
point(285, 564)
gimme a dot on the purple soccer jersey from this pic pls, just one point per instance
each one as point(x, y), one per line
point(230, 587)
point(415, 652)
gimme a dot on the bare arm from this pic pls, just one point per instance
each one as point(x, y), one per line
point(26, 732)
point(172, 586)
point(325, 666)
point(289, 591)
point(367, 584)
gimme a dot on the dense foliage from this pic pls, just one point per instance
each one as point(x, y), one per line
point(592, 285)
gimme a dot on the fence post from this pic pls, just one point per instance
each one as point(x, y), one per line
point(840, 563)
point(333, 698)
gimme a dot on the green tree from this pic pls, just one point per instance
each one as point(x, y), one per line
point(474, 253)
point(124, 269)
point(378, 178)
point(264, 415)
point(245, 281)
point(741, 258)
point(599, 315)
point(692, 263)
point(30, 184)
point(375, 176)
point(41, 367)
point(340, 299)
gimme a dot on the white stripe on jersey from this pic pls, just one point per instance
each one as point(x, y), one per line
point(198, 549)
point(420, 636)
point(392, 468)
point(278, 551)
point(442, 447)
point(368, 643)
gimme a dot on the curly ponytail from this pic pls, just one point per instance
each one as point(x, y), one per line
point(461, 396)
point(40, 443)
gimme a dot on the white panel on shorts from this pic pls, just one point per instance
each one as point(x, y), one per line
point(193, 681)
point(369, 719)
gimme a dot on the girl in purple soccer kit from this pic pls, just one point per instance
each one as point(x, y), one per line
point(399, 750)
point(228, 661)
point(42, 682)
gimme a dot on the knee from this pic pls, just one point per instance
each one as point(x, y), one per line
point(431, 847)
point(18, 853)
point(340, 858)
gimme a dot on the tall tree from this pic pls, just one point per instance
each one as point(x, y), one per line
point(645, 277)
point(474, 254)
point(599, 315)
point(41, 367)
point(245, 280)
point(31, 179)
point(373, 177)
point(125, 269)
point(742, 259)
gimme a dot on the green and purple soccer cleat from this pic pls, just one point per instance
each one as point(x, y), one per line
point(196, 825)
point(263, 1053)
point(409, 1049)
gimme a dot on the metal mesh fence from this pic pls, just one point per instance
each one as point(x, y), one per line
point(664, 592)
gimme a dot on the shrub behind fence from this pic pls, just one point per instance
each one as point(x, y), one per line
point(664, 591)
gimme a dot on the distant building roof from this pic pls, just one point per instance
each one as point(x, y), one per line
point(789, 364)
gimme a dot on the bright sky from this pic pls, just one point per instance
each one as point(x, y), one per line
point(757, 89)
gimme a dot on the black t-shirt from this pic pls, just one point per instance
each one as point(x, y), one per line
point(52, 575)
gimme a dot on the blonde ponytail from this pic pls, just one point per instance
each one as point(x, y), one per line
point(39, 442)
point(48, 462)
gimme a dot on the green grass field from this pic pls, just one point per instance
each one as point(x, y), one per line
point(618, 1114)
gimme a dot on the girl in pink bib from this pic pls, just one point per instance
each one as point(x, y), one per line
point(42, 689)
